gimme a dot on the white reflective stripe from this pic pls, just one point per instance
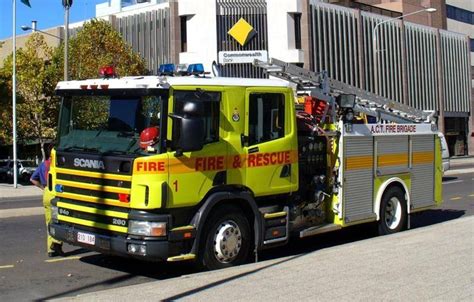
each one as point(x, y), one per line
point(389, 129)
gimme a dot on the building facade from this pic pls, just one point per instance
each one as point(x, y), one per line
point(415, 61)
point(460, 18)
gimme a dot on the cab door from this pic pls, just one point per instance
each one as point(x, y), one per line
point(193, 174)
point(270, 142)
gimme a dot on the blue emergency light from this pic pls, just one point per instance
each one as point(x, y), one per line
point(181, 69)
point(166, 69)
point(196, 69)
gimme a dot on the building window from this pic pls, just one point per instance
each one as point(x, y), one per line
point(471, 43)
point(184, 34)
point(297, 20)
point(459, 14)
point(125, 3)
point(372, 9)
point(266, 117)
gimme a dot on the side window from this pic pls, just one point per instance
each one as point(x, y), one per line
point(266, 117)
point(208, 104)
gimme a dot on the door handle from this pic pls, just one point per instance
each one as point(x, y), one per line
point(285, 171)
point(253, 150)
point(244, 140)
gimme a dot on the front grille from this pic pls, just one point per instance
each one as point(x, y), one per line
point(98, 218)
point(93, 193)
point(91, 199)
point(96, 181)
point(93, 187)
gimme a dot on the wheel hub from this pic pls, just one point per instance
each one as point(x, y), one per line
point(393, 213)
point(227, 241)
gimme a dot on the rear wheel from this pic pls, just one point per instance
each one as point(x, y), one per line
point(393, 212)
point(228, 239)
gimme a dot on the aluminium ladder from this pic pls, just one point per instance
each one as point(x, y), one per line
point(323, 87)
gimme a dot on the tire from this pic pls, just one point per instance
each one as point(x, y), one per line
point(25, 177)
point(227, 240)
point(393, 212)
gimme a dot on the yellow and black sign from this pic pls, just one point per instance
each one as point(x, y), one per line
point(242, 32)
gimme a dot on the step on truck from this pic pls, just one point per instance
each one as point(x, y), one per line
point(210, 169)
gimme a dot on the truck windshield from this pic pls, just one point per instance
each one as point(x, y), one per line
point(107, 124)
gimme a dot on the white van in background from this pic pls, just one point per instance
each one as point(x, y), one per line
point(444, 152)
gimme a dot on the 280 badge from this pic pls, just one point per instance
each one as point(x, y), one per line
point(118, 221)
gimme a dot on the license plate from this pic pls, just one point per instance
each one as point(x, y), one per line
point(86, 238)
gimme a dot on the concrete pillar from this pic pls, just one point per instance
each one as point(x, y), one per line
point(175, 32)
point(470, 134)
point(306, 36)
point(440, 83)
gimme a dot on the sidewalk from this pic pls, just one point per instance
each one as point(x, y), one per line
point(460, 165)
point(429, 263)
point(463, 160)
point(8, 192)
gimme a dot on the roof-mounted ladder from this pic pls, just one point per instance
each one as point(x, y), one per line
point(366, 102)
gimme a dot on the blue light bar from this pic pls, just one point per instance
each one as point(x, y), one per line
point(196, 69)
point(166, 69)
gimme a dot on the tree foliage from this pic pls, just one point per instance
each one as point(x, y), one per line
point(40, 67)
point(36, 79)
point(5, 111)
point(96, 45)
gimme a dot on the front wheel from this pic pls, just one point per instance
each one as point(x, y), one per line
point(393, 212)
point(228, 239)
point(25, 177)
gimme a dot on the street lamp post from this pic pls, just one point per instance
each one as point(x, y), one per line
point(67, 5)
point(15, 172)
point(34, 29)
point(374, 44)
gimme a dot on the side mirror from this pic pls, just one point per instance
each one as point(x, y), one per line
point(188, 133)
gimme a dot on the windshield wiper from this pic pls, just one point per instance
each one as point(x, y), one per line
point(115, 152)
point(77, 148)
point(127, 134)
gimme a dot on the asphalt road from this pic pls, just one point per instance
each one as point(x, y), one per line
point(27, 274)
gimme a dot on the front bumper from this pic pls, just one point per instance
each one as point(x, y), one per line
point(156, 249)
point(446, 164)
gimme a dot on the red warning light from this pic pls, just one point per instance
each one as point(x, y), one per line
point(124, 197)
point(107, 72)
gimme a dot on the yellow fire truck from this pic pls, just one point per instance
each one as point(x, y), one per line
point(211, 169)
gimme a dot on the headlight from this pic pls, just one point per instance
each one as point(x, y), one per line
point(147, 228)
point(54, 214)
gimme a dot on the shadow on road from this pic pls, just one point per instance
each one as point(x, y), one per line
point(153, 270)
point(296, 248)
point(435, 216)
point(110, 282)
point(131, 268)
point(356, 233)
point(76, 252)
point(449, 178)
